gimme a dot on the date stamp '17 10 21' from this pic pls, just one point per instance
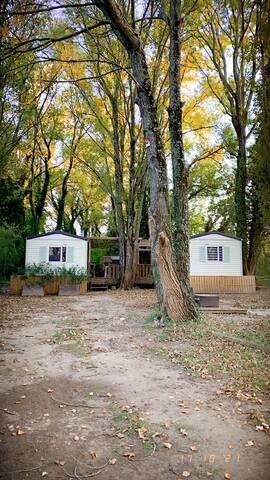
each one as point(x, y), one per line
point(211, 458)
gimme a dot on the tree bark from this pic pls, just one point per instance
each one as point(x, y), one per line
point(118, 187)
point(172, 297)
point(180, 174)
point(240, 190)
point(255, 234)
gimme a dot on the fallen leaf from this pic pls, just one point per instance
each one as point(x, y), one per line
point(227, 476)
point(50, 390)
point(209, 474)
point(59, 462)
point(141, 432)
point(193, 448)
point(109, 395)
point(129, 455)
point(21, 432)
point(259, 428)
point(112, 461)
point(120, 435)
point(156, 434)
point(167, 445)
point(185, 473)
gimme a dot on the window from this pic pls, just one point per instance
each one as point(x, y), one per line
point(57, 254)
point(215, 254)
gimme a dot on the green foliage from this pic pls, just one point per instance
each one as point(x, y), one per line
point(97, 254)
point(11, 250)
point(75, 274)
point(11, 203)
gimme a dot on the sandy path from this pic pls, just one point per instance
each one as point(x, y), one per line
point(112, 366)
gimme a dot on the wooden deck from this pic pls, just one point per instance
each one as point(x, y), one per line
point(223, 284)
point(200, 284)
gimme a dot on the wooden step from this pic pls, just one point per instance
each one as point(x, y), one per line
point(225, 311)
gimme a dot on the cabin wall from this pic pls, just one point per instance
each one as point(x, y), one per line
point(231, 265)
point(37, 250)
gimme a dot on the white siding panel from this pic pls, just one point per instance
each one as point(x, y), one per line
point(57, 240)
point(211, 268)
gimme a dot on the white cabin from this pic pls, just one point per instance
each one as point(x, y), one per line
point(217, 254)
point(57, 249)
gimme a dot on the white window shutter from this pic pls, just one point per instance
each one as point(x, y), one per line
point(42, 254)
point(70, 254)
point(227, 255)
point(202, 254)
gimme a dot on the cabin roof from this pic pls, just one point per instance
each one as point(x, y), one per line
point(56, 232)
point(216, 233)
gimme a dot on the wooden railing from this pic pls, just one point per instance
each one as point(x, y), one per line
point(112, 272)
point(144, 273)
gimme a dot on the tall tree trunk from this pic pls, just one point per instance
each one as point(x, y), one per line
point(118, 187)
point(180, 174)
point(240, 192)
point(255, 234)
point(173, 299)
point(260, 168)
point(64, 191)
point(132, 241)
point(61, 205)
point(133, 232)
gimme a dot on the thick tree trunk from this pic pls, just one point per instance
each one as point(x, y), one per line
point(173, 299)
point(180, 174)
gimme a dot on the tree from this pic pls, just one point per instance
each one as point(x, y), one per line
point(228, 33)
point(259, 165)
point(174, 300)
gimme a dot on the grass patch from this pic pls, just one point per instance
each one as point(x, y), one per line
point(72, 341)
point(68, 334)
point(151, 318)
point(135, 315)
point(234, 349)
point(134, 425)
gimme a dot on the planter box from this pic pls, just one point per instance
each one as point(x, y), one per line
point(51, 287)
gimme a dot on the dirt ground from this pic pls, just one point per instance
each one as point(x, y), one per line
point(86, 391)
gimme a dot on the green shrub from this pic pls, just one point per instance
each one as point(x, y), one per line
point(11, 250)
point(75, 274)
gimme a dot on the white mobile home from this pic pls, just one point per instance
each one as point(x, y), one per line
point(57, 249)
point(215, 254)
